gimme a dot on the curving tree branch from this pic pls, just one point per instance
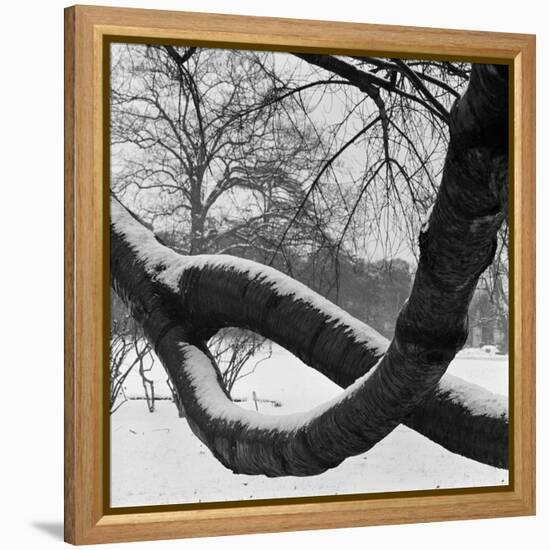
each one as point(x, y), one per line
point(182, 300)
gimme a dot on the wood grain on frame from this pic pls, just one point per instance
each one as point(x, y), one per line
point(85, 306)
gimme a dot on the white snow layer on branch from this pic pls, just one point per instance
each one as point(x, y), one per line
point(153, 255)
point(213, 400)
point(476, 399)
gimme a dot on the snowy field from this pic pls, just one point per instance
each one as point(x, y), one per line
point(156, 459)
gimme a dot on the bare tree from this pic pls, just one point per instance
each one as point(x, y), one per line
point(192, 126)
point(128, 350)
point(234, 350)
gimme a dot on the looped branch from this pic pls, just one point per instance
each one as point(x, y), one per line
point(196, 295)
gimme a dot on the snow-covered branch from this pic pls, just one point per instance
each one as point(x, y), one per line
point(182, 300)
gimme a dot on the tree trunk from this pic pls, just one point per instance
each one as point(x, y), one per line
point(181, 301)
point(196, 240)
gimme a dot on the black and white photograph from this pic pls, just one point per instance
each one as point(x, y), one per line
point(309, 275)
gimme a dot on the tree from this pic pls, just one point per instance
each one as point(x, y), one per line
point(182, 300)
point(128, 350)
point(192, 126)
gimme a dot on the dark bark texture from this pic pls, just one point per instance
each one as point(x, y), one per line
point(183, 300)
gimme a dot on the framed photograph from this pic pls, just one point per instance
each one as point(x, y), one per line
point(299, 274)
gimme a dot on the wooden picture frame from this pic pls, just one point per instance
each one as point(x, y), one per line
point(88, 519)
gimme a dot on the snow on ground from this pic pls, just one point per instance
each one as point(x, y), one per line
point(156, 459)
